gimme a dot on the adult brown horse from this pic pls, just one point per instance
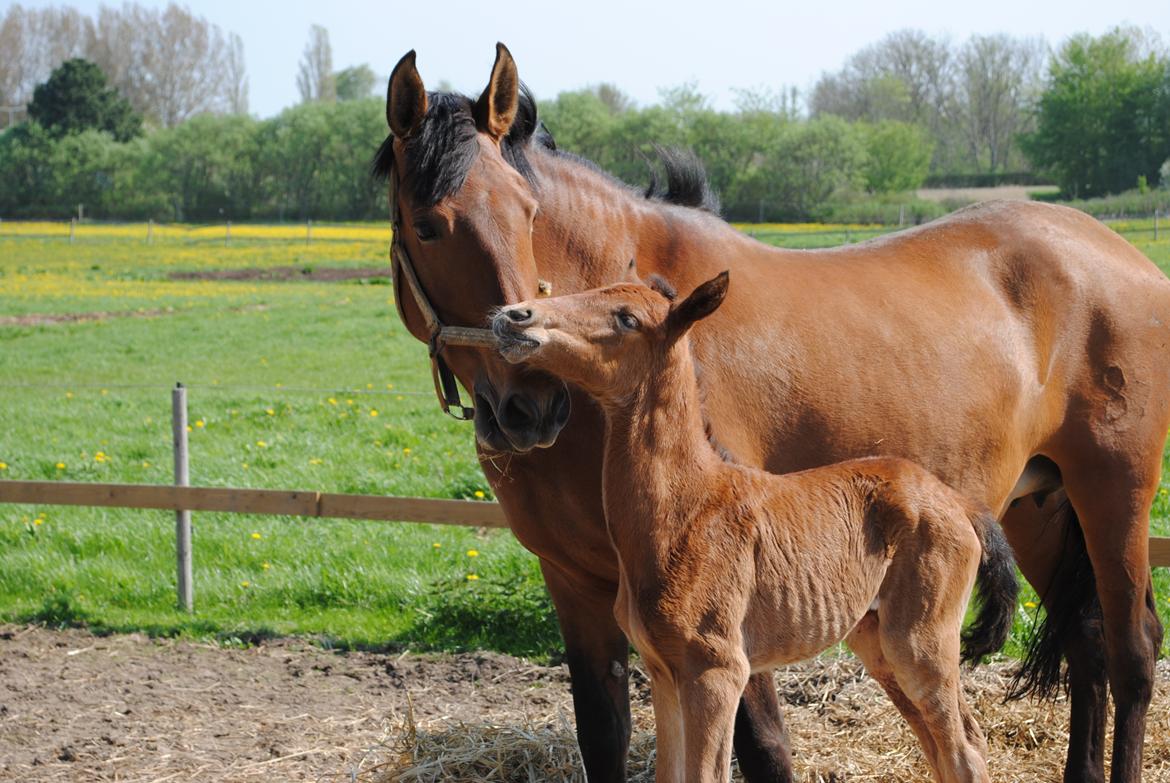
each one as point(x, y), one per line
point(1019, 351)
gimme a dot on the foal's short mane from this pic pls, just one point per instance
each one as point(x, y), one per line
point(439, 155)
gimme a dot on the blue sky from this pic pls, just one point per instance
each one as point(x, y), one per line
point(720, 44)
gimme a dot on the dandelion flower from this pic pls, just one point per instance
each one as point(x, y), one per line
point(479, 494)
point(270, 412)
point(472, 577)
point(60, 466)
point(369, 385)
point(245, 584)
point(349, 402)
point(373, 412)
point(399, 397)
point(332, 401)
point(3, 466)
point(473, 553)
point(316, 461)
point(69, 395)
point(189, 428)
point(38, 521)
point(436, 545)
point(146, 464)
point(406, 451)
point(105, 392)
point(245, 465)
point(262, 444)
point(1029, 604)
point(265, 566)
point(199, 423)
point(256, 536)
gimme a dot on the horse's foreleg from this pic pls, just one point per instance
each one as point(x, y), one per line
point(598, 654)
point(762, 746)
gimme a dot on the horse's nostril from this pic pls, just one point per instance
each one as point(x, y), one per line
point(518, 413)
point(519, 315)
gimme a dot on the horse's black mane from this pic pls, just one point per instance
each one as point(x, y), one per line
point(439, 155)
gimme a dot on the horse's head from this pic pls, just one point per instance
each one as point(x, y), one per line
point(464, 205)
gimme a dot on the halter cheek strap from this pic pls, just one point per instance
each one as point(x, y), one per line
point(439, 335)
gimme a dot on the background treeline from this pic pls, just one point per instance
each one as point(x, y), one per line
point(1092, 116)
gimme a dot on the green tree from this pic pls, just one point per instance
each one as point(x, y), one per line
point(355, 83)
point(898, 156)
point(1104, 118)
point(77, 98)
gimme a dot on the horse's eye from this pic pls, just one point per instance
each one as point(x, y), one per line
point(425, 231)
point(627, 321)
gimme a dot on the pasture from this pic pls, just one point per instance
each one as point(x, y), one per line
point(300, 376)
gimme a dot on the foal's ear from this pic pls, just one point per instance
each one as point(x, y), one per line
point(406, 98)
point(495, 111)
point(703, 301)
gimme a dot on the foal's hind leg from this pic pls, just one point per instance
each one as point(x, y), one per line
point(865, 642)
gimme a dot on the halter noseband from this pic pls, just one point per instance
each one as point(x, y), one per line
point(439, 335)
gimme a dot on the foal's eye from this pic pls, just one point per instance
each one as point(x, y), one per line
point(425, 231)
point(627, 321)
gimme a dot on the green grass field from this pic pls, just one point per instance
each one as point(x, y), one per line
point(294, 384)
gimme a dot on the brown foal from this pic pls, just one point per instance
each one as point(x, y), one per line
point(726, 570)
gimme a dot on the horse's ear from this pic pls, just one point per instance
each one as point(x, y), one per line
point(495, 111)
point(406, 98)
point(703, 301)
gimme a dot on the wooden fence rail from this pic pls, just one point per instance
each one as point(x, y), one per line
point(255, 501)
point(297, 503)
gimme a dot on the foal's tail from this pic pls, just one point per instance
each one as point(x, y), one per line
point(998, 592)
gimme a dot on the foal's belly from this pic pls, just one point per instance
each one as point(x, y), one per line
point(806, 616)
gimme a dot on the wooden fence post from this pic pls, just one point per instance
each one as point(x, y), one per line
point(182, 518)
point(72, 229)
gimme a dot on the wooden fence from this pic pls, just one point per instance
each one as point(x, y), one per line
point(297, 503)
point(294, 503)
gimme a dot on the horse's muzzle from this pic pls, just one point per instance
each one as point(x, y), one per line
point(517, 421)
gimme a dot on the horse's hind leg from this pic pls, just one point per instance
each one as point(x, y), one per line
point(1113, 506)
point(1049, 547)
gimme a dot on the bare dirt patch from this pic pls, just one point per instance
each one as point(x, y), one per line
point(77, 707)
point(287, 273)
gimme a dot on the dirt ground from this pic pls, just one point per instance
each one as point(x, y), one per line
point(78, 707)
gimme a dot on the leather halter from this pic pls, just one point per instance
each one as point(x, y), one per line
point(439, 335)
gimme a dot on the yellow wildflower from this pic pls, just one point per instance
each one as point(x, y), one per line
point(199, 423)
point(406, 451)
point(479, 494)
point(256, 536)
point(332, 401)
point(60, 466)
point(3, 466)
point(38, 521)
point(262, 444)
point(69, 395)
point(373, 412)
point(472, 577)
point(316, 461)
point(270, 412)
point(1029, 604)
point(473, 553)
point(265, 566)
point(436, 545)
point(245, 584)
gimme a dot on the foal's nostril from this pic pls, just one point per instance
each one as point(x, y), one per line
point(519, 315)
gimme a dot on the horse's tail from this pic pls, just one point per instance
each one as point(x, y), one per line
point(998, 592)
point(1070, 600)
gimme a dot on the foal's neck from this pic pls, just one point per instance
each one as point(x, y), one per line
point(658, 460)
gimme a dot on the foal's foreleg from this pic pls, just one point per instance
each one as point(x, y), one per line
point(598, 656)
point(709, 697)
point(762, 747)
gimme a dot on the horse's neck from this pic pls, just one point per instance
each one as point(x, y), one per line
point(658, 461)
point(590, 228)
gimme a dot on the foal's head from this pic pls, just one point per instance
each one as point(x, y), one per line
point(609, 341)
